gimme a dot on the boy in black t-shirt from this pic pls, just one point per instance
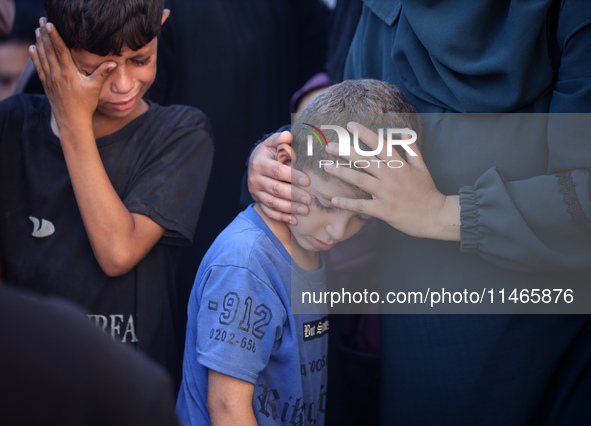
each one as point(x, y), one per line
point(98, 184)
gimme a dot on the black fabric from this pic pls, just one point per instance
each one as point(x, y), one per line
point(343, 24)
point(158, 165)
point(58, 369)
point(239, 62)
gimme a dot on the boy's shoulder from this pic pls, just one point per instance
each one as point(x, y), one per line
point(175, 116)
point(247, 242)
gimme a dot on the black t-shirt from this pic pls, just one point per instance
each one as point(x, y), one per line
point(158, 164)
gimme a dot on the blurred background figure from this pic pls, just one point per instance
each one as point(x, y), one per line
point(6, 16)
point(14, 45)
point(57, 368)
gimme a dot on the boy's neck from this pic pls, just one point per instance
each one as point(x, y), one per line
point(306, 259)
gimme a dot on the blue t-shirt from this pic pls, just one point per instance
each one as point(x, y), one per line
point(240, 324)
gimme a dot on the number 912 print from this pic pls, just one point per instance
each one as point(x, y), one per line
point(249, 322)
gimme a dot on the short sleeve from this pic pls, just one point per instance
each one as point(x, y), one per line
point(240, 321)
point(170, 185)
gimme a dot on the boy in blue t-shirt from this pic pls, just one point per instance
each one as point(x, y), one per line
point(248, 359)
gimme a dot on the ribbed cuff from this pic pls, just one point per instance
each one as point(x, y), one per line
point(469, 234)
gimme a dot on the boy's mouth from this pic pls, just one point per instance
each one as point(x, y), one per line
point(319, 245)
point(125, 105)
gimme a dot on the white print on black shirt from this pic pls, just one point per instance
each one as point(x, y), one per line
point(41, 229)
point(292, 410)
point(117, 326)
point(315, 329)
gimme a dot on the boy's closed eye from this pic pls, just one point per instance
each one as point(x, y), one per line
point(142, 62)
point(87, 70)
point(328, 207)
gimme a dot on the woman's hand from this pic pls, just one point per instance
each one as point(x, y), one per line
point(406, 198)
point(269, 180)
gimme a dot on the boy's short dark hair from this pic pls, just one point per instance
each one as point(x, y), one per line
point(372, 103)
point(104, 27)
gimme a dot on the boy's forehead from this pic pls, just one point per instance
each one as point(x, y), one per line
point(85, 58)
point(325, 186)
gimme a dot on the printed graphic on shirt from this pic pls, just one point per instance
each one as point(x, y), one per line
point(121, 327)
point(314, 366)
point(41, 228)
point(315, 329)
point(289, 410)
point(249, 327)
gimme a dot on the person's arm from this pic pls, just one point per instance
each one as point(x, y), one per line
point(229, 400)
point(119, 238)
point(541, 221)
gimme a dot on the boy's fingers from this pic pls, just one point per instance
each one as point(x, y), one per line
point(43, 64)
point(60, 48)
point(48, 47)
point(34, 54)
point(103, 71)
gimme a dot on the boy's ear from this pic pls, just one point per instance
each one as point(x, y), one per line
point(285, 154)
point(165, 15)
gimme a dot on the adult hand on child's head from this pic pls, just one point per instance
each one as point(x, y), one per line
point(406, 198)
point(73, 96)
point(269, 181)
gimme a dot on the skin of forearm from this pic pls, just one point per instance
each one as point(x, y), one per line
point(112, 230)
point(224, 415)
point(447, 224)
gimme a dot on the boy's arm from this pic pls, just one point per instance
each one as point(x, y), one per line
point(119, 239)
point(229, 400)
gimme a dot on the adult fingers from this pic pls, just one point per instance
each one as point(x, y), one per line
point(364, 181)
point(279, 216)
point(281, 195)
point(385, 151)
point(361, 206)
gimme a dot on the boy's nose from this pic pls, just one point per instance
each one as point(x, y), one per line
point(337, 228)
point(120, 80)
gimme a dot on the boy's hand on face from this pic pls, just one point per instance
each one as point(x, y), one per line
point(269, 181)
point(406, 198)
point(73, 96)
